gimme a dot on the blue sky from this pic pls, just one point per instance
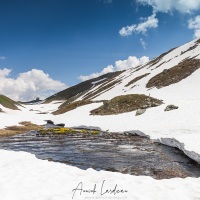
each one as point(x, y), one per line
point(70, 38)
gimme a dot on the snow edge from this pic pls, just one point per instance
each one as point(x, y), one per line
point(172, 142)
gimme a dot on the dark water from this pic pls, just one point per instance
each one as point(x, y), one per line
point(107, 151)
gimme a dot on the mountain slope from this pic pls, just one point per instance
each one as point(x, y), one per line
point(76, 91)
point(8, 103)
point(166, 72)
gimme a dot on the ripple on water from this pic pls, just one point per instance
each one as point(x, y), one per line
point(133, 155)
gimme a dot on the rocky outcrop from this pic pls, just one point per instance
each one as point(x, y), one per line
point(60, 125)
point(140, 112)
point(171, 107)
point(50, 124)
point(126, 103)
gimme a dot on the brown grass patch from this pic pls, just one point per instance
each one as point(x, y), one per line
point(136, 79)
point(126, 103)
point(174, 74)
point(13, 130)
point(189, 49)
point(66, 106)
point(158, 59)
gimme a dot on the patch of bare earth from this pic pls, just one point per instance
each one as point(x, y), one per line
point(174, 74)
point(25, 127)
point(66, 106)
point(158, 59)
point(159, 65)
point(192, 47)
point(126, 103)
point(103, 88)
point(136, 79)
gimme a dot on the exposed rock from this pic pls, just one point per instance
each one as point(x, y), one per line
point(60, 125)
point(154, 104)
point(144, 106)
point(164, 71)
point(140, 112)
point(171, 107)
point(87, 127)
point(49, 122)
point(1, 110)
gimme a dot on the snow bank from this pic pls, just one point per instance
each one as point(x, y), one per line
point(35, 113)
point(24, 177)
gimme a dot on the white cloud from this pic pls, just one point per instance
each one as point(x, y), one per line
point(106, 70)
point(2, 57)
point(197, 33)
point(184, 6)
point(148, 23)
point(143, 43)
point(132, 61)
point(4, 72)
point(28, 85)
point(195, 24)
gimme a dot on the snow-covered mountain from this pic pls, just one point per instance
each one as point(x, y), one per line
point(169, 76)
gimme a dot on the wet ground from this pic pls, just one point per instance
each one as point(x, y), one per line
point(123, 153)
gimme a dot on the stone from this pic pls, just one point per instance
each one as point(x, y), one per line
point(154, 104)
point(49, 122)
point(144, 106)
point(60, 125)
point(140, 112)
point(171, 107)
point(165, 71)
